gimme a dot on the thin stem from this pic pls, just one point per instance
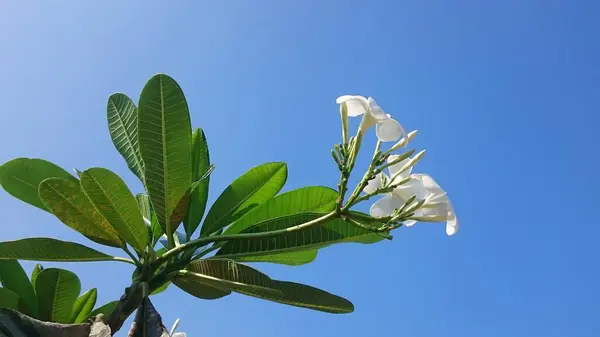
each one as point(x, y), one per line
point(122, 259)
point(247, 236)
point(365, 179)
point(135, 259)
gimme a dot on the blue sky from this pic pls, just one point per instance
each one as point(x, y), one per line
point(505, 95)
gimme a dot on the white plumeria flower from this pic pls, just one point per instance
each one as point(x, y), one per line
point(437, 206)
point(386, 128)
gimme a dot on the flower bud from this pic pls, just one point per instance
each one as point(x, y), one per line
point(344, 117)
point(403, 142)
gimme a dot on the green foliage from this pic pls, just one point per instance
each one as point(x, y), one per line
point(121, 114)
point(111, 197)
point(21, 177)
point(9, 299)
point(46, 249)
point(69, 204)
point(248, 222)
point(332, 231)
point(50, 295)
point(256, 186)
point(83, 306)
point(57, 291)
point(199, 197)
point(15, 279)
point(164, 134)
point(106, 309)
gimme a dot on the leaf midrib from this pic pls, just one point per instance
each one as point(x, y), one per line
point(163, 135)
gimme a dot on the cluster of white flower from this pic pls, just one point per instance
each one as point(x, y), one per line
point(434, 204)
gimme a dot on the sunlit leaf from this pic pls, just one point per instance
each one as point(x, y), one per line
point(121, 114)
point(83, 306)
point(330, 232)
point(57, 291)
point(165, 144)
point(199, 197)
point(47, 249)
point(105, 310)
point(69, 204)
point(21, 178)
point(254, 187)
point(111, 197)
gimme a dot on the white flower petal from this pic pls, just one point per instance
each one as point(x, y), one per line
point(179, 334)
point(388, 130)
point(375, 183)
point(412, 187)
point(355, 105)
point(452, 223)
point(376, 111)
point(409, 223)
point(386, 206)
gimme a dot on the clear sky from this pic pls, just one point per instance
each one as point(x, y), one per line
point(505, 95)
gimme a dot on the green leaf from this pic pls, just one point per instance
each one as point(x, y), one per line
point(312, 198)
point(165, 144)
point(21, 177)
point(69, 204)
point(46, 249)
point(9, 299)
point(259, 184)
point(199, 197)
point(122, 118)
point(191, 286)
point(317, 199)
point(105, 310)
point(304, 296)
point(161, 288)
point(14, 278)
point(57, 290)
point(330, 232)
point(36, 270)
point(111, 197)
point(226, 275)
point(83, 306)
point(290, 259)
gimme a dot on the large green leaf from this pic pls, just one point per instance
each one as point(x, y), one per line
point(330, 232)
point(46, 249)
point(9, 299)
point(67, 201)
point(199, 197)
point(300, 295)
point(316, 199)
point(226, 275)
point(254, 187)
point(57, 291)
point(21, 177)
point(105, 310)
point(34, 274)
point(313, 198)
point(165, 144)
point(83, 306)
point(15, 279)
point(111, 197)
point(122, 115)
